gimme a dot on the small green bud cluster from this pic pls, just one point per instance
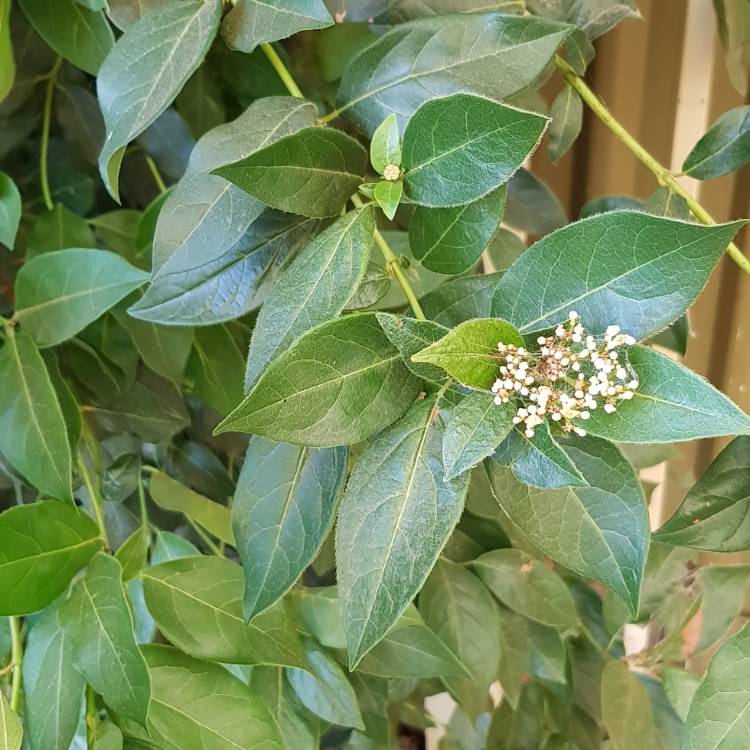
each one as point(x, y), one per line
point(572, 374)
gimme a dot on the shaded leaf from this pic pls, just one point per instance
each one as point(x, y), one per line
point(724, 588)
point(531, 206)
point(567, 118)
point(724, 147)
point(10, 209)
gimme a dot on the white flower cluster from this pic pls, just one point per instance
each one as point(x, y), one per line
point(572, 374)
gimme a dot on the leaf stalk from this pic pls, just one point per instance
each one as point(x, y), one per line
point(46, 122)
point(16, 659)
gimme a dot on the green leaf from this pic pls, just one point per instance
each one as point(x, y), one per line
point(59, 294)
point(197, 705)
point(282, 512)
point(314, 289)
point(312, 172)
point(504, 248)
point(489, 54)
point(338, 384)
point(724, 147)
point(469, 352)
point(410, 336)
point(460, 148)
point(171, 495)
point(451, 240)
point(253, 22)
point(132, 553)
point(10, 208)
point(476, 426)
point(680, 687)
point(215, 368)
point(323, 689)
point(567, 118)
point(197, 604)
point(7, 64)
point(97, 623)
point(58, 229)
point(734, 21)
point(594, 17)
point(10, 726)
point(514, 654)
point(388, 194)
point(458, 300)
point(664, 202)
point(625, 268)
point(714, 514)
point(42, 545)
point(718, 714)
point(532, 207)
point(455, 604)
point(724, 588)
point(547, 654)
point(671, 403)
point(385, 145)
point(538, 461)
point(32, 431)
point(600, 531)
point(396, 515)
point(196, 288)
point(81, 36)
point(528, 587)
point(52, 686)
point(146, 69)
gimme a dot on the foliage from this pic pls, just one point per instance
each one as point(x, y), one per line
point(296, 431)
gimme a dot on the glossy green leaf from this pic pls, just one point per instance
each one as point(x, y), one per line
point(385, 145)
point(567, 118)
point(314, 289)
point(724, 147)
point(32, 430)
point(43, 546)
point(455, 604)
point(11, 729)
point(469, 352)
point(396, 515)
point(282, 511)
point(53, 687)
point(193, 287)
point(197, 605)
point(323, 688)
point(489, 54)
point(312, 172)
point(626, 268)
point(724, 588)
point(338, 384)
point(476, 426)
point(451, 240)
point(171, 495)
point(252, 22)
point(10, 210)
point(600, 531)
point(671, 403)
point(528, 587)
point(197, 705)
point(387, 195)
point(538, 461)
point(460, 148)
point(146, 69)
point(97, 623)
point(59, 294)
point(81, 36)
point(714, 513)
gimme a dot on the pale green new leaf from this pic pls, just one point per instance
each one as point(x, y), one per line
point(385, 145)
point(489, 54)
point(338, 384)
point(42, 546)
point(600, 531)
point(97, 623)
point(11, 728)
point(81, 36)
point(52, 686)
point(33, 437)
point(282, 511)
point(719, 713)
point(724, 148)
point(145, 71)
point(314, 289)
point(460, 148)
point(528, 587)
point(387, 195)
point(58, 294)
point(10, 204)
point(253, 22)
point(671, 403)
point(197, 705)
point(476, 426)
point(396, 515)
point(469, 352)
point(197, 604)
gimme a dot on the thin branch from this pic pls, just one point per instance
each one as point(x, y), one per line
point(46, 122)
